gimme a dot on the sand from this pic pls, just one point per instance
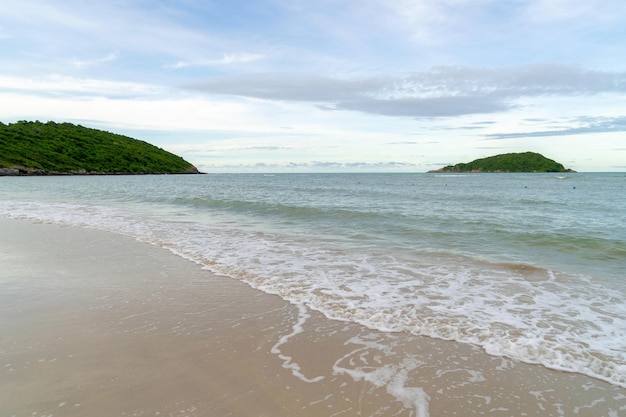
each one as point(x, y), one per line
point(97, 324)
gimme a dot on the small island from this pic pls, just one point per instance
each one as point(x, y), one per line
point(509, 162)
point(36, 148)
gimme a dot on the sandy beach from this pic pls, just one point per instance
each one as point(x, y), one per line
point(98, 324)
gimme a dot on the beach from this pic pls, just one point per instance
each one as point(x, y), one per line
point(99, 324)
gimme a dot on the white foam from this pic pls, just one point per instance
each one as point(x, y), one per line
point(288, 363)
point(563, 322)
point(392, 377)
point(411, 397)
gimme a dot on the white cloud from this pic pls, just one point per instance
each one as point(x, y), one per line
point(421, 19)
point(41, 13)
point(56, 84)
point(435, 78)
point(240, 58)
point(581, 12)
point(227, 59)
point(86, 63)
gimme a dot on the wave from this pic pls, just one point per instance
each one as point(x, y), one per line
point(522, 311)
point(535, 273)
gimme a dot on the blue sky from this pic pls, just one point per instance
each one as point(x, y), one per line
point(327, 85)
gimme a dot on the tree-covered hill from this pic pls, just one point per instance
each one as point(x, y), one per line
point(35, 148)
point(509, 162)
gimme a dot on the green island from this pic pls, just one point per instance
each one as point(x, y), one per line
point(36, 148)
point(508, 162)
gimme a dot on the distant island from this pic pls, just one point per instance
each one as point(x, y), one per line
point(36, 148)
point(508, 162)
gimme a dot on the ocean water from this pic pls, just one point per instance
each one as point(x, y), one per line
point(526, 266)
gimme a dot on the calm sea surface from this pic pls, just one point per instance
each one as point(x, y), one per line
point(528, 266)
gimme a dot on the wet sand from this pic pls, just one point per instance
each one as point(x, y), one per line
point(97, 324)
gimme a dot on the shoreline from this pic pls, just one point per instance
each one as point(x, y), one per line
point(99, 324)
point(31, 172)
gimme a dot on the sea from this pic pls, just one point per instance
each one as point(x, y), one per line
point(530, 267)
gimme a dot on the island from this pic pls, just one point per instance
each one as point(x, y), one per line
point(36, 148)
point(508, 162)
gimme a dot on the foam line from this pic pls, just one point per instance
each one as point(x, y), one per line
point(288, 363)
point(393, 377)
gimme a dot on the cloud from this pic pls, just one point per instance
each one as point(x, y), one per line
point(574, 10)
point(311, 166)
point(406, 142)
point(151, 35)
point(55, 85)
point(254, 148)
point(289, 87)
point(227, 59)
point(85, 63)
point(439, 92)
point(42, 13)
point(586, 125)
point(426, 107)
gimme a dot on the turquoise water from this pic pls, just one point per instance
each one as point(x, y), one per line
point(528, 266)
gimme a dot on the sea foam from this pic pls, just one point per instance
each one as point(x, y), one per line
point(380, 253)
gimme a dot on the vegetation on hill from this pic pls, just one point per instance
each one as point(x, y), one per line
point(509, 162)
point(35, 148)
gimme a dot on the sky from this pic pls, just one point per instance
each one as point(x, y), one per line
point(327, 85)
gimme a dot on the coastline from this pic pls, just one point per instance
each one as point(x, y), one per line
point(99, 324)
point(31, 172)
